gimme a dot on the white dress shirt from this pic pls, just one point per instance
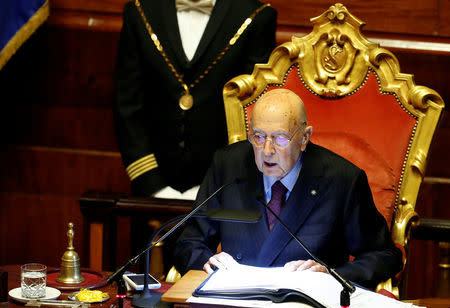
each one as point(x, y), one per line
point(192, 24)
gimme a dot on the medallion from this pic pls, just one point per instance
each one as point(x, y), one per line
point(186, 101)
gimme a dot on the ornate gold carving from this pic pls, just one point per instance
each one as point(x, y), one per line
point(376, 55)
point(333, 63)
point(419, 162)
point(243, 86)
point(334, 57)
point(336, 13)
point(403, 218)
point(292, 50)
point(420, 97)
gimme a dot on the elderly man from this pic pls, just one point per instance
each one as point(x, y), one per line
point(322, 197)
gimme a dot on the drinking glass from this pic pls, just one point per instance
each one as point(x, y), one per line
point(33, 280)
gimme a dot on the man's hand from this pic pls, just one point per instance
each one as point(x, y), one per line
point(302, 265)
point(220, 260)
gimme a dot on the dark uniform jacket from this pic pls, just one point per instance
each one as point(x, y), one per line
point(330, 208)
point(161, 144)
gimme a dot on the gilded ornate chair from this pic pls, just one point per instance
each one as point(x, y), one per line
point(360, 105)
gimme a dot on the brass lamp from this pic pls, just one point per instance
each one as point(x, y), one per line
point(70, 272)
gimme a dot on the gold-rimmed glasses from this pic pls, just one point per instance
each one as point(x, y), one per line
point(279, 140)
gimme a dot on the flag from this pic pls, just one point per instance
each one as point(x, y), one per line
point(18, 21)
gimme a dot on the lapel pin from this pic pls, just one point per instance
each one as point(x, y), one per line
point(313, 192)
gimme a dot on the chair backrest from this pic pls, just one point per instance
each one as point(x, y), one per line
point(359, 104)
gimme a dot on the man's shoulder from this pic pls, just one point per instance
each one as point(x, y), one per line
point(235, 151)
point(329, 159)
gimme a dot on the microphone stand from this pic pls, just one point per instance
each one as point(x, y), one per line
point(117, 275)
point(347, 286)
point(243, 216)
point(145, 298)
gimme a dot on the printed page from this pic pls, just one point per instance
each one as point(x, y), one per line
point(320, 286)
point(243, 277)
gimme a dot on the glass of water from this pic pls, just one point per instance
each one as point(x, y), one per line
point(33, 280)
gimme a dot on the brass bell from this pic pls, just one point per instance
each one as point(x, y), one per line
point(70, 263)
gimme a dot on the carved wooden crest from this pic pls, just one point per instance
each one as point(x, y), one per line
point(333, 61)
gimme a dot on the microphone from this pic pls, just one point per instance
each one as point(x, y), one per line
point(118, 273)
point(348, 287)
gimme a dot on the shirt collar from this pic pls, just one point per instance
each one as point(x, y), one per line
point(288, 180)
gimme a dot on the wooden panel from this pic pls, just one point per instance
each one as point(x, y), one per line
point(64, 126)
point(427, 18)
point(421, 275)
point(444, 24)
point(91, 21)
point(62, 171)
point(79, 67)
point(123, 248)
point(438, 165)
point(393, 16)
point(33, 228)
point(110, 6)
point(62, 67)
point(95, 241)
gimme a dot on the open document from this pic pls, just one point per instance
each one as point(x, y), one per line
point(264, 286)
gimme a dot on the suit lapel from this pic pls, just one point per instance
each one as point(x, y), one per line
point(172, 32)
point(296, 210)
point(218, 14)
point(255, 201)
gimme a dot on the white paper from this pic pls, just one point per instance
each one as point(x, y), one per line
point(243, 303)
point(320, 286)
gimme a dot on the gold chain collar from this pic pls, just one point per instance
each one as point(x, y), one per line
point(186, 100)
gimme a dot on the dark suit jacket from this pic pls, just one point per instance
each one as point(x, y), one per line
point(339, 219)
point(148, 119)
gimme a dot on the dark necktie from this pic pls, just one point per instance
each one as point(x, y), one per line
point(275, 203)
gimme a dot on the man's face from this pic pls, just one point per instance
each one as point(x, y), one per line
point(275, 161)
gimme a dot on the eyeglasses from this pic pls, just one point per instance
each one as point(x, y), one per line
point(279, 140)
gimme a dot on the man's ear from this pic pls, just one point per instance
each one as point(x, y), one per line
point(306, 137)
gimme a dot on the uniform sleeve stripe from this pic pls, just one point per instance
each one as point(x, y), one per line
point(141, 166)
point(142, 170)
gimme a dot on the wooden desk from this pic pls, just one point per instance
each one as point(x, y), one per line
point(14, 282)
point(183, 289)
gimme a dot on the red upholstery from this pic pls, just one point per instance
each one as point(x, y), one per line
point(369, 128)
point(380, 174)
